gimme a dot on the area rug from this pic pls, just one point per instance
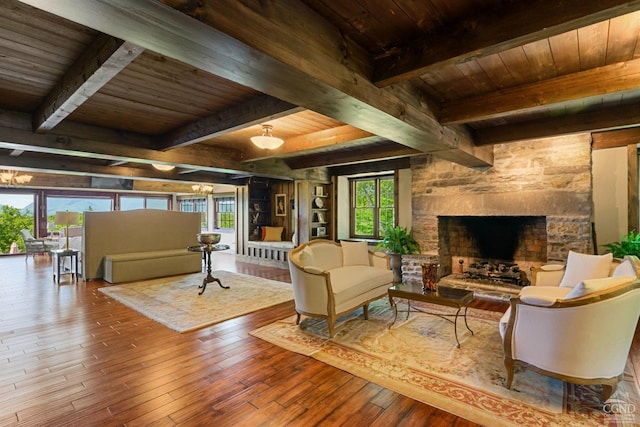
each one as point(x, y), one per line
point(418, 358)
point(174, 301)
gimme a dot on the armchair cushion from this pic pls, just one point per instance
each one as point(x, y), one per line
point(594, 285)
point(354, 253)
point(584, 266)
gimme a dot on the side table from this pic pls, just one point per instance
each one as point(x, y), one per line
point(58, 263)
point(206, 251)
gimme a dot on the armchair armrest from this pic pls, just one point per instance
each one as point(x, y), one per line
point(379, 259)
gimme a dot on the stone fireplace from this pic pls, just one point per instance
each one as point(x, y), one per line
point(532, 207)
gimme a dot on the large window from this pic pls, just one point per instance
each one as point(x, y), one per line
point(225, 212)
point(372, 205)
point(198, 204)
point(128, 203)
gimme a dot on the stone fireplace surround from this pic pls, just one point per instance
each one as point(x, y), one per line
point(549, 179)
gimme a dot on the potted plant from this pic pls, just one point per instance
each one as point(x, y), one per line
point(398, 241)
point(628, 245)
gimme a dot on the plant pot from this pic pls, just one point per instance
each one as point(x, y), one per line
point(395, 261)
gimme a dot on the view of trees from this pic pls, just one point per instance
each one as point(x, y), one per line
point(373, 206)
point(11, 222)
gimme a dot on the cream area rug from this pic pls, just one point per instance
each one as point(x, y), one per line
point(419, 359)
point(174, 301)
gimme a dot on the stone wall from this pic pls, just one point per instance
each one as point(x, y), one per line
point(548, 177)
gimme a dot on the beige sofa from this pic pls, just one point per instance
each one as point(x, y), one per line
point(139, 244)
point(330, 279)
point(578, 326)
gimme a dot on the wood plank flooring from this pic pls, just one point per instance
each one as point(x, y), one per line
point(71, 356)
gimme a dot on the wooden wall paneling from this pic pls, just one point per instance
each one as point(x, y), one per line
point(287, 188)
point(622, 37)
point(632, 158)
point(592, 43)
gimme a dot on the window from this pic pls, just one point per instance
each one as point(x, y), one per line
point(195, 205)
point(372, 205)
point(225, 209)
point(128, 203)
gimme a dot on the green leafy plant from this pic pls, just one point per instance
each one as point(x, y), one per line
point(628, 245)
point(398, 240)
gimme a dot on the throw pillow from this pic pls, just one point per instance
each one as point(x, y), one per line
point(624, 269)
point(584, 266)
point(354, 253)
point(307, 257)
point(587, 287)
point(273, 234)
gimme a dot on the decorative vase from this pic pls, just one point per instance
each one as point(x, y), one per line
point(429, 276)
point(395, 261)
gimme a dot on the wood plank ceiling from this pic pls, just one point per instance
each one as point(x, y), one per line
point(109, 87)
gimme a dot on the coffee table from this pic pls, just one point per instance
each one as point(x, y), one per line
point(450, 297)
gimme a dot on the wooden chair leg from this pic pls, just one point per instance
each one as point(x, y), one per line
point(365, 310)
point(297, 318)
point(609, 388)
point(508, 364)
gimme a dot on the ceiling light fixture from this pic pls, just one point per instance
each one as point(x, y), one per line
point(12, 178)
point(267, 140)
point(163, 168)
point(202, 189)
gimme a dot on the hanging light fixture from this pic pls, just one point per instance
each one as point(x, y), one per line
point(12, 178)
point(163, 168)
point(267, 140)
point(202, 189)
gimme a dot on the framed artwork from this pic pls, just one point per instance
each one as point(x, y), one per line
point(319, 191)
point(322, 231)
point(281, 207)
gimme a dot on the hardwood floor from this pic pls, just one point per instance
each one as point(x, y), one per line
point(71, 356)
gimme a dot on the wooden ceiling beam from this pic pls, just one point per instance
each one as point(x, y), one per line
point(202, 158)
point(283, 49)
point(77, 167)
point(385, 150)
point(97, 65)
point(622, 76)
point(494, 32)
point(616, 138)
point(592, 121)
point(254, 111)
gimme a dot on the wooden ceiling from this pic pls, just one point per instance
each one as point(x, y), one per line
point(106, 88)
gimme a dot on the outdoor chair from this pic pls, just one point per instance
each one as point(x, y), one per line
point(35, 246)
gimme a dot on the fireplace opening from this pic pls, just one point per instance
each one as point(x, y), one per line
point(496, 248)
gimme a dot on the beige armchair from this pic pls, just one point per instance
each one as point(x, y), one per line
point(330, 279)
point(35, 246)
point(584, 339)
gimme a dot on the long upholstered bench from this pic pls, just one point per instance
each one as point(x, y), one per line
point(131, 266)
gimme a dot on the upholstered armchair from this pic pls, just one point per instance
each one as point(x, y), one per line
point(331, 279)
point(34, 246)
point(580, 334)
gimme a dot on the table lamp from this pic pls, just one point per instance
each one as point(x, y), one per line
point(66, 218)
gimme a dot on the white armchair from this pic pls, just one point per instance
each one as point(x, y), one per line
point(580, 334)
point(33, 246)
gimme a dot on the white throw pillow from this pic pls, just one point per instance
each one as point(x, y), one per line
point(354, 253)
point(587, 287)
point(624, 269)
point(584, 266)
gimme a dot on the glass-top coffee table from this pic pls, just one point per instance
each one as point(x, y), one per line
point(450, 297)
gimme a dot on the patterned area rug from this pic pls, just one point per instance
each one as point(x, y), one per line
point(174, 301)
point(419, 358)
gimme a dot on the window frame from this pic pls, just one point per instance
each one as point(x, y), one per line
point(377, 208)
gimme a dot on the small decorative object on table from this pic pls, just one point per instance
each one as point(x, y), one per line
point(429, 276)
